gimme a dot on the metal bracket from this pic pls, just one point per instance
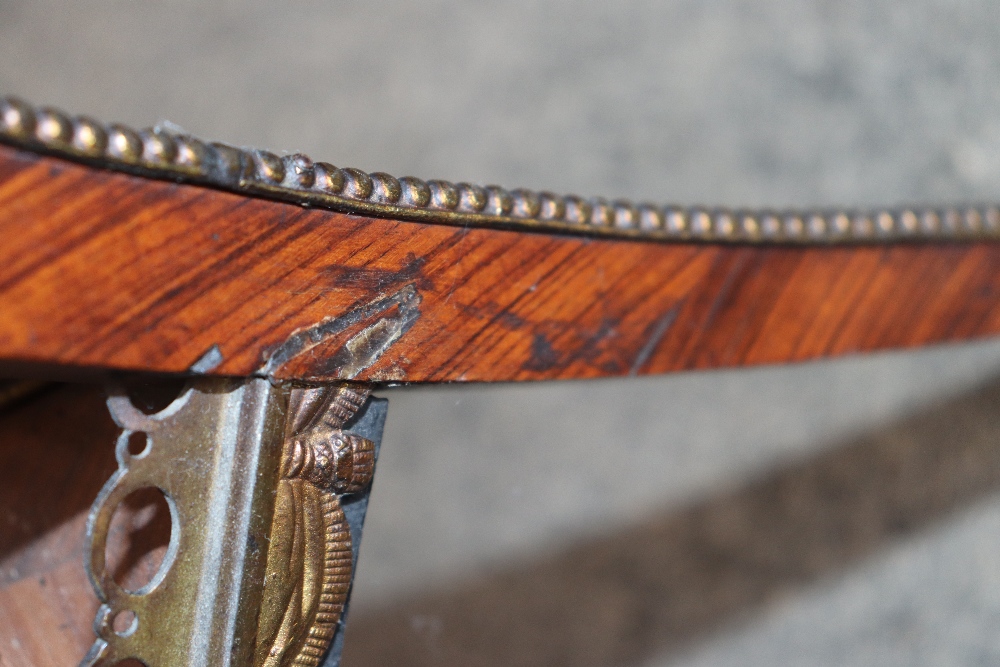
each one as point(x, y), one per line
point(253, 475)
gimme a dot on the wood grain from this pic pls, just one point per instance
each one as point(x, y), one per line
point(106, 270)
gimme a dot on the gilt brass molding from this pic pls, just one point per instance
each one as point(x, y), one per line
point(163, 154)
point(214, 453)
point(266, 490)
point(309, 562)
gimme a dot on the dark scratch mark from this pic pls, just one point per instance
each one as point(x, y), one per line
point(591, 348)
point(363, 348)
point(587, 343)
point(380, 279)
point(726, 288)
point(659, 331)
point(543, 356)
point(509, 320)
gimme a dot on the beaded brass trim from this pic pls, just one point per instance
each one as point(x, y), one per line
point(159, 153)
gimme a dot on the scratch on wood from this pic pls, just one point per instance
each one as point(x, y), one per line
point(656, 335)
point(391, 317)
point(727, 286)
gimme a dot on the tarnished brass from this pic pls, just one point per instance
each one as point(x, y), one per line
point(160, 153)
point(309, 561)
point(214, 453)
point(260, 556)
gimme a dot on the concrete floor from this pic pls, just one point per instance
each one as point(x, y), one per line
point(840, 513)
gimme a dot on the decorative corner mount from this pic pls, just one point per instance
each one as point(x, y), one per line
point(264, 534)
point(309, 562)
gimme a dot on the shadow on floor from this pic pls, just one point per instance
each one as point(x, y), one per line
point(652, 588)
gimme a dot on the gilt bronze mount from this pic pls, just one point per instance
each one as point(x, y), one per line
point(267, 490)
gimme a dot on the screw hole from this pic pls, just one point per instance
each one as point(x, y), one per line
point(138, 444)
point(125, 623)
point(139, 540)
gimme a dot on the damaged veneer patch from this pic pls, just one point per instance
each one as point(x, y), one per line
point(342, 347)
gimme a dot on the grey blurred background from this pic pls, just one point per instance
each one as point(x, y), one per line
point(837, 513)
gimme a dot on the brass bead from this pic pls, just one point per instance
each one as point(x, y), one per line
point(676, 221)
point(191, 153)
point(724, 224)
point(327, 178)
point(444, 195)
point(884, 223)
point(601, 213)
point(551, 207)
point(625, 215)
point(89, 137)
point(908, 222)
point(124, 144)
point(973, 220)
point(471, 198)
point(952, 221)
point(794, 227)
point(770, 226)
point(749, 226)
point(413, 192)
point(299, 171)
point(701, 223)
point(17, 119)
point(229, 162)
point(862, 226)
point(930, 222)
point(53, 127)
point(357, 184)
point(650, 217)
point(840, 223)
point(385, 188)
point(992, 219)
point(498, 201)
point(578, 211)
point(268, 167)
point(157, 147)
point(526, 204)
point(816, 226)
